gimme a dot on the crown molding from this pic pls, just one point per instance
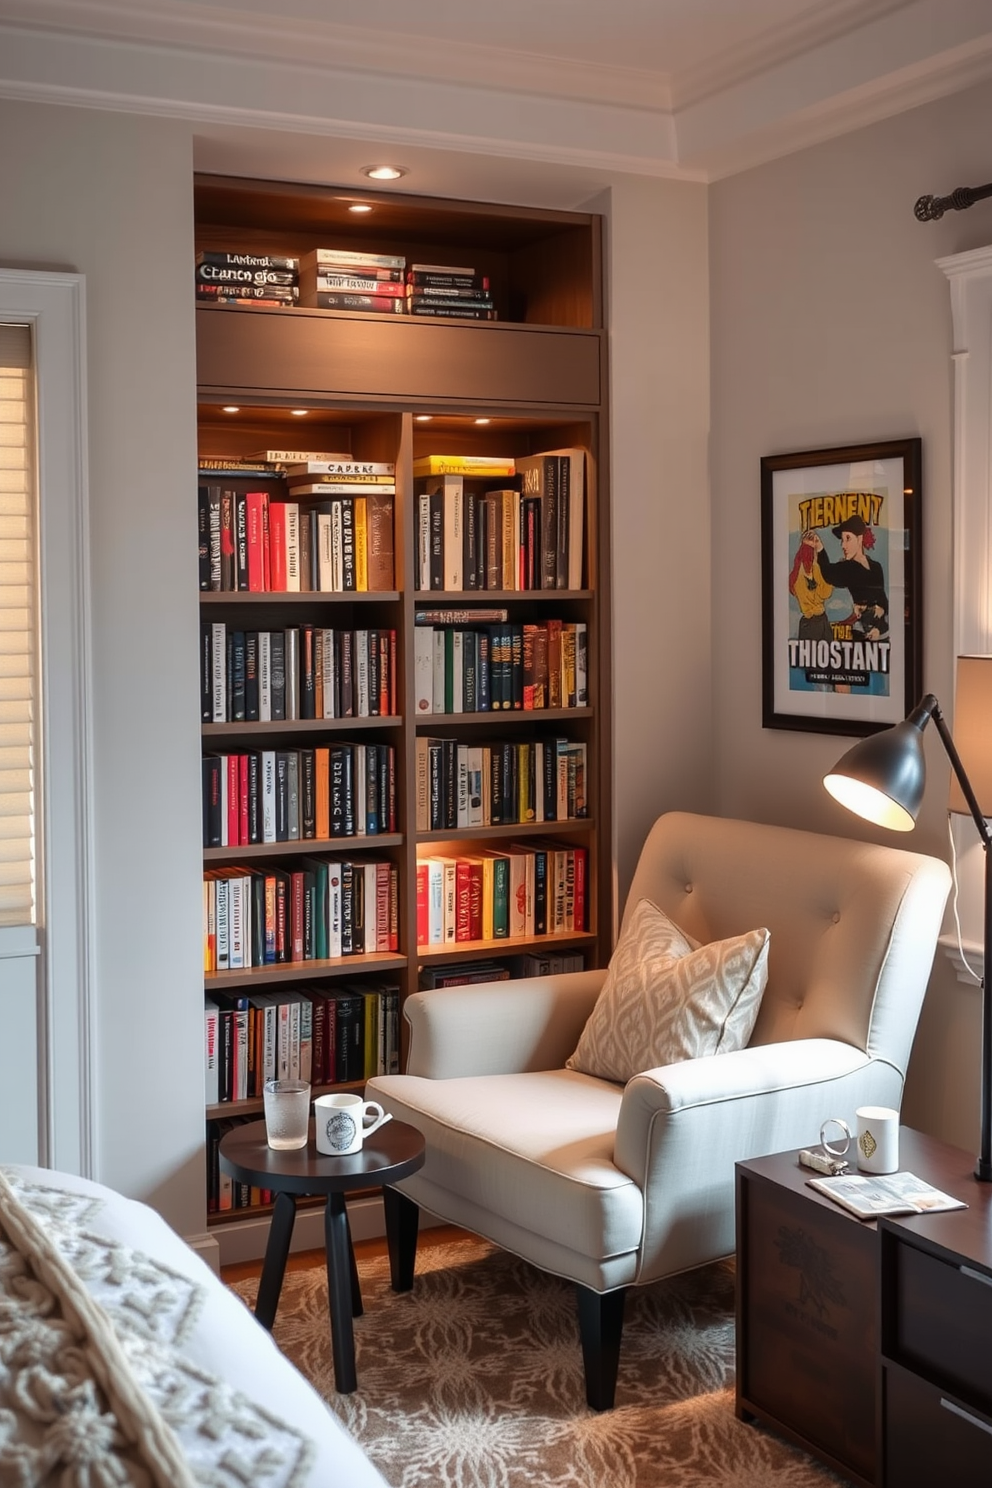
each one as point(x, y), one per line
point(292, 39)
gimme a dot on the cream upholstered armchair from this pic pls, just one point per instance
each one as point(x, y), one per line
point(614, 1185)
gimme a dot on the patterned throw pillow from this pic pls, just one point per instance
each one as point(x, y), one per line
point(667, 998)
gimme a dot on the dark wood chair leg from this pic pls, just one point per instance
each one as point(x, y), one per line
point(402, 1221)
point(600, 1329)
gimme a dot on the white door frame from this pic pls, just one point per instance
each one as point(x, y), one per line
point(53, 305)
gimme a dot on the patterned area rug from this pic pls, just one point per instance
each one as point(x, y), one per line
point(474, 1380)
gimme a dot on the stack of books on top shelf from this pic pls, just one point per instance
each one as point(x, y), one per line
point(346, 279)
point(449, 291)
point(533, 888)
point(230, 278)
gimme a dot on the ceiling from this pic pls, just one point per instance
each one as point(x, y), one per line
point(518, 100)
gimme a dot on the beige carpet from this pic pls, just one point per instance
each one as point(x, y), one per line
point(474, 1380)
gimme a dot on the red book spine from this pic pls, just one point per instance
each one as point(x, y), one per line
point(242, 800)
point(233, 806)
point(475, 902)
point(256, 502)
point(463, 900)
point(277, 547)
point(423, 922)
point(296, 917)
point(282, 913)
point(382, 916)
point(394, 907)
point(581, 863)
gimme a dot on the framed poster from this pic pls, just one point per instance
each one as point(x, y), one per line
point(841, 587)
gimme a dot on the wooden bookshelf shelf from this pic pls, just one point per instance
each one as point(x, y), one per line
point(394, 388)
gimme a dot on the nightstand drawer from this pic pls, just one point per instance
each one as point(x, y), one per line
point(941, 1323)
point(931, 1438)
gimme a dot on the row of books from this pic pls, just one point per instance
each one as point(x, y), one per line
point(318, 909)
point(342, 541)
point(506, 538)
point(532, 888)
point(287, 795)
point(463, 973)
point(226, 277)
point(303, 671)
point(500, 667)
point(323, 1035)
point(383, 284)
point(498, 784)
point(224, 1193)
point(343, 279)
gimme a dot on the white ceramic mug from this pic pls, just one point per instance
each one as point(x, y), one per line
point(877, 1139)
point(341, 1122)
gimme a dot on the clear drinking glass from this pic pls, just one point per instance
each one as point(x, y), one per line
point(287, 1113)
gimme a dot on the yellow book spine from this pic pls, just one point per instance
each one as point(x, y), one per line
point(487, 898)
point(361, 545)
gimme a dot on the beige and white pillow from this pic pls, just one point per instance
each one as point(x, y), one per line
point(667, 998)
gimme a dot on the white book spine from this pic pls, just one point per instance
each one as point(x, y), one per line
point(453, 501)
point(362, 673)
point(292, 671)
point(306, 1038)
point(268, 789)
point(264, 676)
point(475, 767)
point(334, 909)
point(329, 665)
point(211, 1019)
point(458, 671)
point(337, 548)
point(435, 901)
point(282, 1043)
point(450, 898)
point(218, 657)
point(236, 924)
point(292, 547)
point(423, 668)
point(439, 670)
point(325, 558)
point(223, 932)
point(423, 541)
point(294, 1039)
point(461, 784)
point(359, 768)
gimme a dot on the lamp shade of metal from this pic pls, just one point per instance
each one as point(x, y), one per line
point(883, 777)
point(973, 732)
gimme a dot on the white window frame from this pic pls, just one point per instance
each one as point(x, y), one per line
point(53, 305)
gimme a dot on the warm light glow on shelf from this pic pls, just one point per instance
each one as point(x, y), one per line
point(359, 207)
point(483, 421)
point(230, 408)
point(423, 418)
point(300, 412)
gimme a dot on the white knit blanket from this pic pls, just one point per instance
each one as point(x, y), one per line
point(95, 1391)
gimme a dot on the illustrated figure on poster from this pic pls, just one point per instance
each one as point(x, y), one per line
point(810, 591)
point(861, 575)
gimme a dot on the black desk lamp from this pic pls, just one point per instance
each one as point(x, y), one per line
point(882, 779)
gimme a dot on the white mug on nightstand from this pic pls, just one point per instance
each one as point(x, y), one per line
point(877, 1139)
point(340, 1122)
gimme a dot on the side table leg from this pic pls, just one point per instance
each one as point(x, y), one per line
point(340, 1260)
point(402, 1222)
point(274, 1265)
point(357, 1307)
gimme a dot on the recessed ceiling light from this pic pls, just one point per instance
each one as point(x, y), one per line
point(359, 207)
point(423, 418)
point(300, 412)
point(384, 172)
point(230, 408)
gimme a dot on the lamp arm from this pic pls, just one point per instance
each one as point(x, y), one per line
point(958, 768)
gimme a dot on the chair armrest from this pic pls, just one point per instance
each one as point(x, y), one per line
point(782, 1093)
point(498, 1028)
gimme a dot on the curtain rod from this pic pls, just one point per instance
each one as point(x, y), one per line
point(932, 208)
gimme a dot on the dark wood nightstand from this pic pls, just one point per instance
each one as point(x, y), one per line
point(808, 1292)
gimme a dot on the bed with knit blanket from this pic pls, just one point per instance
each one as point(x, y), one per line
point(126, 1363)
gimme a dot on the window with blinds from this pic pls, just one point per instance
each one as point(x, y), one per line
point(18, 629)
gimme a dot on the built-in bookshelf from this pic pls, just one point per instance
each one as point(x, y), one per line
point(390, 391)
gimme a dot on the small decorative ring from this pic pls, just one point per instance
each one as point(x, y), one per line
point(840, 1150)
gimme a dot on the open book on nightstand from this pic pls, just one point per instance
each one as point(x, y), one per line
point(869, 1195)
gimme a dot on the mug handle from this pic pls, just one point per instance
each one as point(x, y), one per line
point(380, 1120)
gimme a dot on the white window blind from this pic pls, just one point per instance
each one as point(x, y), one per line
point(18, 629)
